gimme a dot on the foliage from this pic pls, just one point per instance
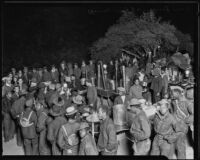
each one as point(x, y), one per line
point(139, 34)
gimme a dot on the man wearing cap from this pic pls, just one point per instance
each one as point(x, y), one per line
point(88, 144)
point(28, 122)
point(7, 87)
point(140, 129)
point(91, 93)
point(55, 94)
point(68, 139)
point(183, 113)
point(156, 85)
point(165, 129)
point(107, 142)
point(16, 110)
point(56, 112)
point(122, 98)
point(42, 123)
point(54, 74)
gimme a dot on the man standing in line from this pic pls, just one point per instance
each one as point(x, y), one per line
point(107, 142)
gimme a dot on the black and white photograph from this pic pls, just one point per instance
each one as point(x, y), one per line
point(101, 79)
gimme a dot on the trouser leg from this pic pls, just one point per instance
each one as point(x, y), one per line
point(27, 147)
point(6, 126)
point(43, 144)
point(55, 149)
point(19, 136)
point(155, 147)
point(181, 146)
point(12, 128)
point(35, 146)
point(165, 148)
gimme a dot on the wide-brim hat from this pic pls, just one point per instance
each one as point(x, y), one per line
point(142, 101)
point(71, 110)
point(134, 102)
point(78, 99)
point(59, 104)
point(163, 101)
point(56, 111)
point(121, 89)
point(83, 125)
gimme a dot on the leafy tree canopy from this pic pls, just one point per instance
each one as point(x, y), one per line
point(140, 35)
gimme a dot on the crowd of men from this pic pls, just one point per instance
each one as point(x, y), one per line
point(47, 110)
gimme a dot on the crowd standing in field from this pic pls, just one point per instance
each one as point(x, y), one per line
point(48, 109)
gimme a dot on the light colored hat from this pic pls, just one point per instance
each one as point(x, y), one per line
point(121, 89)
point(134, 102)
point(78, 99)
point(142, 101)
point(67, 79)
point(163, 101)
point(84, 125)
point(71, 110)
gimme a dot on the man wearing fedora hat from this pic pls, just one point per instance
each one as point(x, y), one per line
point(140, 129)
point(107, 142)
point(56, 112)
point(88, 144)
point(28, 122)
point(184, 115)
point(68, 139)
point(165, 128)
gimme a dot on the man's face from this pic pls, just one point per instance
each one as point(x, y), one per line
point(83, 82)
point(25, 70)
point(82, 132)
point(20, 81)
point(75, 66)
point(16, 89)
point(163, 109)
point(101, 114)
point(136, 81)
point(13, 70)
point(91, 62)
point(34, 70)
point(9, 94)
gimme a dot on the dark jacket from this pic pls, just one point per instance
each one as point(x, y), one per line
point(46, 77)
point(55, 76)
point(140, 128)
point(30, 131)
point(156, 84)
point(107, 137)
point(91, 95)
point(118, 100)
point(88, 146)
point(53, 128)
point(70, 128)
point(77, 73)
point(18, 107)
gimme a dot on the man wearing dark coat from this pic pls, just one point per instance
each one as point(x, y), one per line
point(42, 123)
point(46, 75)
point(8, 122)
point(56, 113)
point(107, 143)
